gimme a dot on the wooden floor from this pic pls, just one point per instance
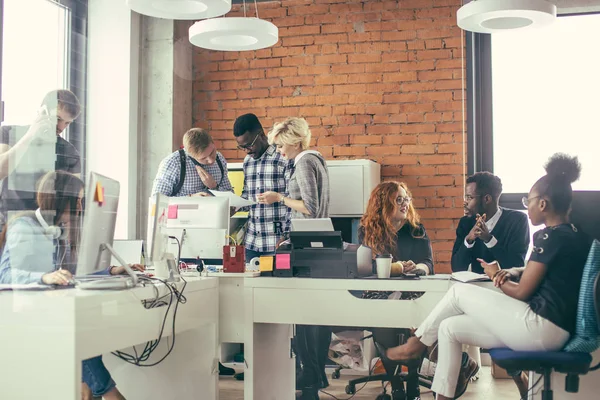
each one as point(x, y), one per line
point(486, 388)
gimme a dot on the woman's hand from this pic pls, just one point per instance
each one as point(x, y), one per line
point(501, 277)
point(268, 198)
point(490, 269)
point(118, 270)
point(409, 266)
point(58, 277)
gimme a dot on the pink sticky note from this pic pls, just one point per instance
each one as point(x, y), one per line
point(172, 211)
point(282, 261)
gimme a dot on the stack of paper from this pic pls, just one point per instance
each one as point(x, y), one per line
point(468, 276)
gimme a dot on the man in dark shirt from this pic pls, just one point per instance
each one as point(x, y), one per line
point(492, 233)
point(29, 152)
point(488, 231)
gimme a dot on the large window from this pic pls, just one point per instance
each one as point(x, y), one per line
point(35, 55)
point(545, 86)
point(43, 48)
point(533, 93)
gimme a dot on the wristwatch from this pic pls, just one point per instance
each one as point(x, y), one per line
point(282, 199)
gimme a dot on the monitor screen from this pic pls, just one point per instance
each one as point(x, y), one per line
point(99, 220)
point(202, 226)
point(158, 237)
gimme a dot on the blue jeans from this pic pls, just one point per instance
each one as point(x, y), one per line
point(250, 254)
point(96, 376)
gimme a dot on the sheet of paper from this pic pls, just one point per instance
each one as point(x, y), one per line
point(282, 261)
point(234, 200)
point(468, 276)
point(173, 208)
point(129, 250)
point(266, 264)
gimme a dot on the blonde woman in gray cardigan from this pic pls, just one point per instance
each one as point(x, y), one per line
point(308, 198)
point(309, 185)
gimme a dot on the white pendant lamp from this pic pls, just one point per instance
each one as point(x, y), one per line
point(491, 16)
point(234, 33)
point(181, 9)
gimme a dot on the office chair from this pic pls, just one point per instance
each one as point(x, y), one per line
point(389, 338)
point(576, 359)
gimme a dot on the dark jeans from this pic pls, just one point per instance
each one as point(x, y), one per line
point(311, 346)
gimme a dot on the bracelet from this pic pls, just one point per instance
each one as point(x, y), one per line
point(282, 199)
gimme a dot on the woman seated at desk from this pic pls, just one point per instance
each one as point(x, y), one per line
point(41, 247)
point(537, 313)
point(391, 225)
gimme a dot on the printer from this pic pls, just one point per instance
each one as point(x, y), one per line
point(316, 255)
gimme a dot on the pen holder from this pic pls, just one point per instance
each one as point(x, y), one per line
point(234, 258)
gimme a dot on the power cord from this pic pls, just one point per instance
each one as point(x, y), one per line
point(140, 359)
point(356, 392)
point(533, 388)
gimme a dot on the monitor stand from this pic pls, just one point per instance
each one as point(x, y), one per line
point(166, 268)
point(111, 284)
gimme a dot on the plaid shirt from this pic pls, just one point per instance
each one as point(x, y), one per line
point(170, 170)
point(266, 223)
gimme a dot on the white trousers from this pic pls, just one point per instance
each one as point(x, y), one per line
point(481, 317)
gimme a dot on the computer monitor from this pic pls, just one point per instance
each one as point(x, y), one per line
point(99, 220)
point(202, 226)
point(157, 235)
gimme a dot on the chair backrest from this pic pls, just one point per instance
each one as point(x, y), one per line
point(587, 329)
point(597, 299)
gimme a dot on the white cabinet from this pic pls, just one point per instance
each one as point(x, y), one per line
point(350, 183)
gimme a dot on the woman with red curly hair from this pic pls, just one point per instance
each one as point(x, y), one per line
point(391, 225)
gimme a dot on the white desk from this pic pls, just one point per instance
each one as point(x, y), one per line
point(274, 305)
point(45, 335)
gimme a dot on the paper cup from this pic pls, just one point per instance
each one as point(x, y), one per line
point(384, 267)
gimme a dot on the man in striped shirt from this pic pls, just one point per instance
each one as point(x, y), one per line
point(264, 170)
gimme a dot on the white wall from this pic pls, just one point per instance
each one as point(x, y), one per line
point(112, 102)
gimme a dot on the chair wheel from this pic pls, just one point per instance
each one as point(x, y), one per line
point(335, 374)
point(384, 397)
point(350, 389)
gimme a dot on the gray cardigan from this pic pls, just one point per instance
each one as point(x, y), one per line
point(310, 183)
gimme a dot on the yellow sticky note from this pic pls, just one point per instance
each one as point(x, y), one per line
point(266, 264)
point(99, 193)
point(153, 212)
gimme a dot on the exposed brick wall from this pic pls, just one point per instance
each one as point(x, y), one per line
point(374, 79)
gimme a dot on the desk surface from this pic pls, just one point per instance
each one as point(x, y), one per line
point(438, 284)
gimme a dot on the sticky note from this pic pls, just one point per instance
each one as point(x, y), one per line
point(153, 212)
point(282, 261)
point(99, 195)
point(172, 211)
point(266, 264)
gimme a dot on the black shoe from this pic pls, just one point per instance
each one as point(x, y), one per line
point(225, 371)
point(467, 371)
point(239, 377)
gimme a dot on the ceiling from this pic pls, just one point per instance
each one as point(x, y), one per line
point(564, 6)
point(577, 6)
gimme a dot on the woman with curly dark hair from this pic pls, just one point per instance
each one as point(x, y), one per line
point(535, 313)
point(391, 225)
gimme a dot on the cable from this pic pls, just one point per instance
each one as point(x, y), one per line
point(356, 392)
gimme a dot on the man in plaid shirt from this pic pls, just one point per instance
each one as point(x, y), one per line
point(264, 170)
point(205, 168)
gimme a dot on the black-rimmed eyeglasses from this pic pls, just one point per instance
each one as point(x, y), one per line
point(249, 146)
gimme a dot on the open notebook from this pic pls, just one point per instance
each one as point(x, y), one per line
point(468, 276)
